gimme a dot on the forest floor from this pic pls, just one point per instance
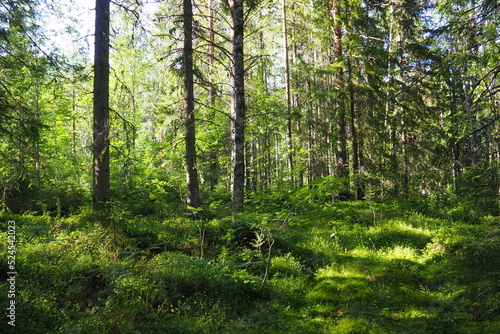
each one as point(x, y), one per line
point(286, 267)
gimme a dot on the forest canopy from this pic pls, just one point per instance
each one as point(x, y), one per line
point(394, 100)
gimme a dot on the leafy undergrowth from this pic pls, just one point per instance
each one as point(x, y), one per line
point(338, 267)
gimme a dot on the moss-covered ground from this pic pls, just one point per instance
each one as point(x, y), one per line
point(283, 267)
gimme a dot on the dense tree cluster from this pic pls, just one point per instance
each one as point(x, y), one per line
point(381, 99)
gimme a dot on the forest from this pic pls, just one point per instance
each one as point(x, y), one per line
point(250, 166)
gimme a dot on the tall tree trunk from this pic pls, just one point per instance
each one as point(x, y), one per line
point(390, 145)
point(342, 159)
point(404, 151)
point(290, 155)
point(36, 144)
point(238, 107)
point(456, 147)
point(211, 51)
point(213, 173)
point(393, 109)
point(100, 192)
point(249, 161)
point(360, 193)
point(74, 157)
point(191, 169)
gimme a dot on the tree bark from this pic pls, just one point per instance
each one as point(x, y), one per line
point(290, 154)
point(342, 158)
point(356, 153)
point(190, 130)
point(238, 107)
point(101, 191)
point(213, 171)
point(211, 37)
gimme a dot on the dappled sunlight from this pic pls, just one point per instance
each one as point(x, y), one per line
point(412, 312)
point(400, 253)
point(398, 233)
point(323, 275)
point(381, 281)
point(339, 271)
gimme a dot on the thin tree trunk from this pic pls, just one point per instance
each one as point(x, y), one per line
point(238, 107)
point(404, 151)
point(191, 169)
point(343, 170)
point(74, 157)
point(213, 173)
point(393, 39)
point(360, 194)
point(250, 174)
point(101, 193)
point(36, 144)
point(211, 51)
point(288, 97)
point(190, 140)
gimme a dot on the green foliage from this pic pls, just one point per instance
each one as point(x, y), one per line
point(419, 254)
point(351, 267)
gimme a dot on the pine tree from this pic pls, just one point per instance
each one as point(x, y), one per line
point(191, 168)
point(238, 106)
point(101, 180)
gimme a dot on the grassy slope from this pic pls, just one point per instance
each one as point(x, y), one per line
point(341, 267)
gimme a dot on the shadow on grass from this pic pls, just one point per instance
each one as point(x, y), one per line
point(379, 296)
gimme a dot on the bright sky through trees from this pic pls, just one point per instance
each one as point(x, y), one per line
point(68, 25)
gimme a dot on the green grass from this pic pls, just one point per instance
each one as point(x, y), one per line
point(342, 267)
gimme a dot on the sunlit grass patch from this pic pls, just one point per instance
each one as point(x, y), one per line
point(339, 271)
point(370, 259)
point(412, 312)
point(435, 248)
point(351, 325)
point(286, 265)
point(398, 233)
point(401, 253)
point(341, 289)
point(364, 252)
point(419, 220)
